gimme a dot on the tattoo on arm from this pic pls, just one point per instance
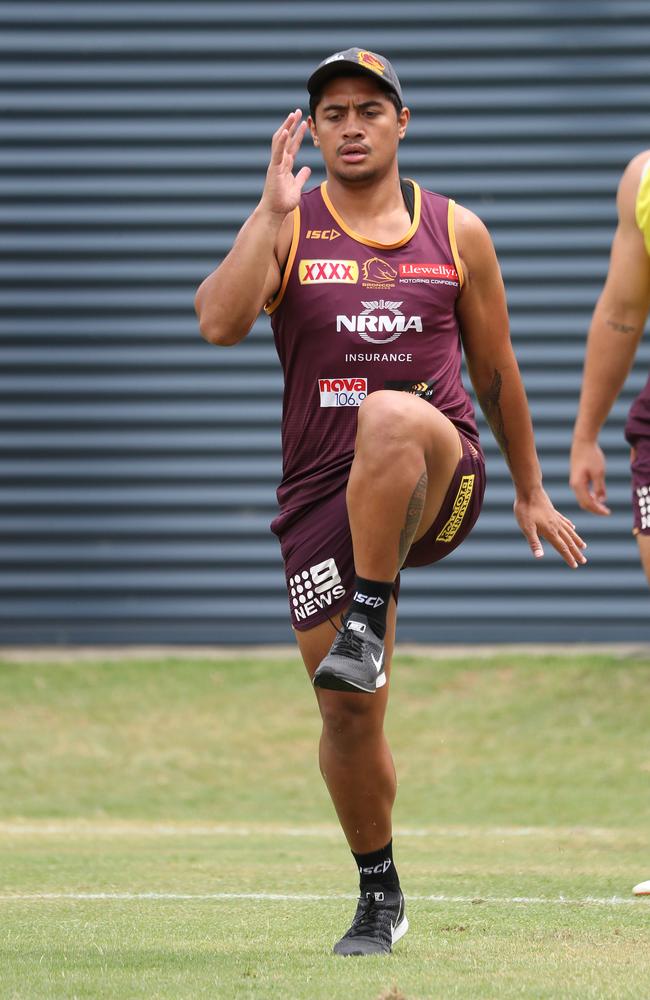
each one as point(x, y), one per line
point(413, 515)
point(621, 327)
point(492, 409)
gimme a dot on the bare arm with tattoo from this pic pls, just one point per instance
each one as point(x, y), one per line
point(493, 368)
point(616, 328)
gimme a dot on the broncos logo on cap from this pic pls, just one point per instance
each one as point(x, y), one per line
point(370, 61)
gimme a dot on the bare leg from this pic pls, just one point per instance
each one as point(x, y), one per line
point(644, 551)
point(406, 454)
point(355, 759)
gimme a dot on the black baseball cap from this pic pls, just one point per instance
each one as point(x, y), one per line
point(355, 61)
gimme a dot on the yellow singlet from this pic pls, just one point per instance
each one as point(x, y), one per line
point(643, 206)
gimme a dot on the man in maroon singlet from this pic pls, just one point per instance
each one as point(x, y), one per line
point(373, 285)
point(615, 332)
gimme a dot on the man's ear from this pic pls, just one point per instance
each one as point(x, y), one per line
point(312, 129)
point(403, 120)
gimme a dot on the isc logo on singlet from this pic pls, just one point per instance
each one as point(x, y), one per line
point(322, 234)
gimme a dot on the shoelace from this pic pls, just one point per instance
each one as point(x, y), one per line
point(370, 919)
point(348, 643)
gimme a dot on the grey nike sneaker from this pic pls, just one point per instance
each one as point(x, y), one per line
point(379, 922)
point(355, 661)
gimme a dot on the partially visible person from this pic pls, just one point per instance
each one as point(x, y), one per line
point(616, 329)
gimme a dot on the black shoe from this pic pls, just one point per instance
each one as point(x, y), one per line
point(379, 922)
point(356, 660)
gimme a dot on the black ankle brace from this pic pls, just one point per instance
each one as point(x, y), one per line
point(370, 598)
point(377, 868)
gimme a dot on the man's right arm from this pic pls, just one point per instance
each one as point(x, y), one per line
point(229, 300)
point(616, 328)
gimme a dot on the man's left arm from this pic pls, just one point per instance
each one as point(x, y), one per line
point(483, 317)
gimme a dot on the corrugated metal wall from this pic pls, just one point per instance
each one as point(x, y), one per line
point(139, 464)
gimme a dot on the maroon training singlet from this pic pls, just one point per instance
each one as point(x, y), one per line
point(353, 316)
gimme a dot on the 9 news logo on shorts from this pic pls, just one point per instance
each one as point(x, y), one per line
point(313, 589)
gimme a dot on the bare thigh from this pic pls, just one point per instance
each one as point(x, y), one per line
point(398, 421)
point(644, 551)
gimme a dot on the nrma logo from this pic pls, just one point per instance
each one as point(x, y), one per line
point(390, 321)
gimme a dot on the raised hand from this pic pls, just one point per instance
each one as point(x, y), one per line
point(538, 518)
point(282, 190)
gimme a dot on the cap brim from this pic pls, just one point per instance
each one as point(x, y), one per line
point(343, 67)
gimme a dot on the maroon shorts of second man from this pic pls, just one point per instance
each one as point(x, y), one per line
point(640, 466)
point(317, 547)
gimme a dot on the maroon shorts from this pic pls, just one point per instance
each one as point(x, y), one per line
point(640, 465)
point(317, 547)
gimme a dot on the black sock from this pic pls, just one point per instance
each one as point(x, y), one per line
point(370, 598)
point(377, 868)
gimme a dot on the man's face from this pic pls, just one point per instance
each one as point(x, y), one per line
point(357, 128)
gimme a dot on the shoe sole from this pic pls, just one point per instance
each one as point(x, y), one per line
point(334, 682)
point(401, 929)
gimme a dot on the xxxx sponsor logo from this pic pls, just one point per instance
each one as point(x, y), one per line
point(322, 234)
point(378, 273)
point(328, 272)
point(429, 274)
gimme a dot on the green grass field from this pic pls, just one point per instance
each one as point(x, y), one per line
point(164, 832)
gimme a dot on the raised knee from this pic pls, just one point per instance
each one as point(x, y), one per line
point(386, 416)
point(386, 406)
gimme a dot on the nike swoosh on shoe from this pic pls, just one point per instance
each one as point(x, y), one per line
point(381, 660)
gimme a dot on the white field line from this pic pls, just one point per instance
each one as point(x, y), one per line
point(136, 828)
point(273, 897)
point(74, 654)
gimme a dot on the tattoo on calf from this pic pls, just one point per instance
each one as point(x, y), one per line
point(492, 408)
point(621, 327)
point(413, 515)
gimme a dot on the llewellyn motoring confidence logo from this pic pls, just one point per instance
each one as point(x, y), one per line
point(428, 274)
